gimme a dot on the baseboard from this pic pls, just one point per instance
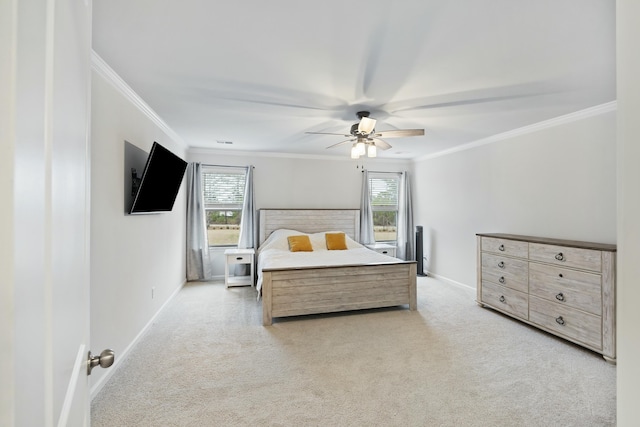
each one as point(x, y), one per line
point(453, 282)
point(95, 389)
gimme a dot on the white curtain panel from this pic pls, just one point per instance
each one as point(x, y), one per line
point(198, 264)
point(248, 223)
point(366, 214)
point(406, 245)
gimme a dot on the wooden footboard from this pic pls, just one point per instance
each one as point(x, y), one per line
point(311, 290)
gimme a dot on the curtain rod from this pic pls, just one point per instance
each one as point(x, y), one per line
point(225, 166)
point(379, 171)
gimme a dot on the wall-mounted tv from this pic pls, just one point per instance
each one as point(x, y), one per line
point(160, 182)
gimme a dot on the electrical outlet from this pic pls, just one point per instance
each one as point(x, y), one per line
point(153, 291)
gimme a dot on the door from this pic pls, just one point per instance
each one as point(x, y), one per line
point(44, 186)
point(70, 220)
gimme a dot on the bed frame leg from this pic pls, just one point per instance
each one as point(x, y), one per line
point(267, 320)
point(413, 297)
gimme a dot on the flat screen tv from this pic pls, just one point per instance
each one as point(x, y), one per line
point(160, 182)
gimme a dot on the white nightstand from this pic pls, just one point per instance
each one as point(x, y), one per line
point(234, 257)
point(383, 248)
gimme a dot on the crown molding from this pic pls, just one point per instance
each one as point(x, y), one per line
point(557, 121)
point(103, 69)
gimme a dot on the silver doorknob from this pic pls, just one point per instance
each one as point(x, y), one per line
point(105, 360)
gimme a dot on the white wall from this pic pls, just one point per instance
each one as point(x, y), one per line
point(130, 254)
point(289, 181)
point(557, 182)
point(628, 66)
point(286, 181)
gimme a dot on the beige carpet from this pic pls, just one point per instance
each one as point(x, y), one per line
point(207, 361)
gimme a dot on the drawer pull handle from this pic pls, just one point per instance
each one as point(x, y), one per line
point(502, 280)
point(560, 275)
point(384, 252)
point(502, 298)
point(560, 257)
point(238, 258)
point(501, 248)
point(560, 320)
point(501, 264)
point(560, 297)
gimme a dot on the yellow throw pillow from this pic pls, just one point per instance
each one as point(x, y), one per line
point(336, 241)
point(299, 243)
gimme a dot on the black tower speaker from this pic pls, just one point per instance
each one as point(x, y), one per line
point(419, 252)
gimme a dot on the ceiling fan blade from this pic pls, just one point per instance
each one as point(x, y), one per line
point(366, 125)
point(211, 90)
point(341, 142)
point(400, 133)
point(327, 133)
point(478, 96)
point(383, 145)
point(465, 102)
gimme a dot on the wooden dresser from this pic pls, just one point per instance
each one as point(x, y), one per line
point(564, 287)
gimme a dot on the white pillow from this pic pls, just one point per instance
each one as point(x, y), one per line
point(278, 239)
point(318, 241)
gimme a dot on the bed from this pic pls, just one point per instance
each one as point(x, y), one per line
point(290, 287)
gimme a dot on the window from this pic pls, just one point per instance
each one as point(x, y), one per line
point(383, 188)
point(223, 198)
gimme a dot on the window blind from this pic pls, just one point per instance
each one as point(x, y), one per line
point(223, 190)
point(384, 192)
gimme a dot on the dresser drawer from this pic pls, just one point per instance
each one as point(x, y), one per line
point(576, 289)
point(508, 300)
point(505, 246)
point(586, 259)
point(571, 323)
point(510, 272)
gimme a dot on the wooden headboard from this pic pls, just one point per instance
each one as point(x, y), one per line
point(310, 221)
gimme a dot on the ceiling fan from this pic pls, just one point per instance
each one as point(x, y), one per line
point(365, 139)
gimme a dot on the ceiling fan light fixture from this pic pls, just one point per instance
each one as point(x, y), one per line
point(366, 125)
point(364, 138)
point(354, 152)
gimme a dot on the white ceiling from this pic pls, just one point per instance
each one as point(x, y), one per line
point(262, 73)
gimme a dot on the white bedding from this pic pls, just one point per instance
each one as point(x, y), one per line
point(275, 253)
